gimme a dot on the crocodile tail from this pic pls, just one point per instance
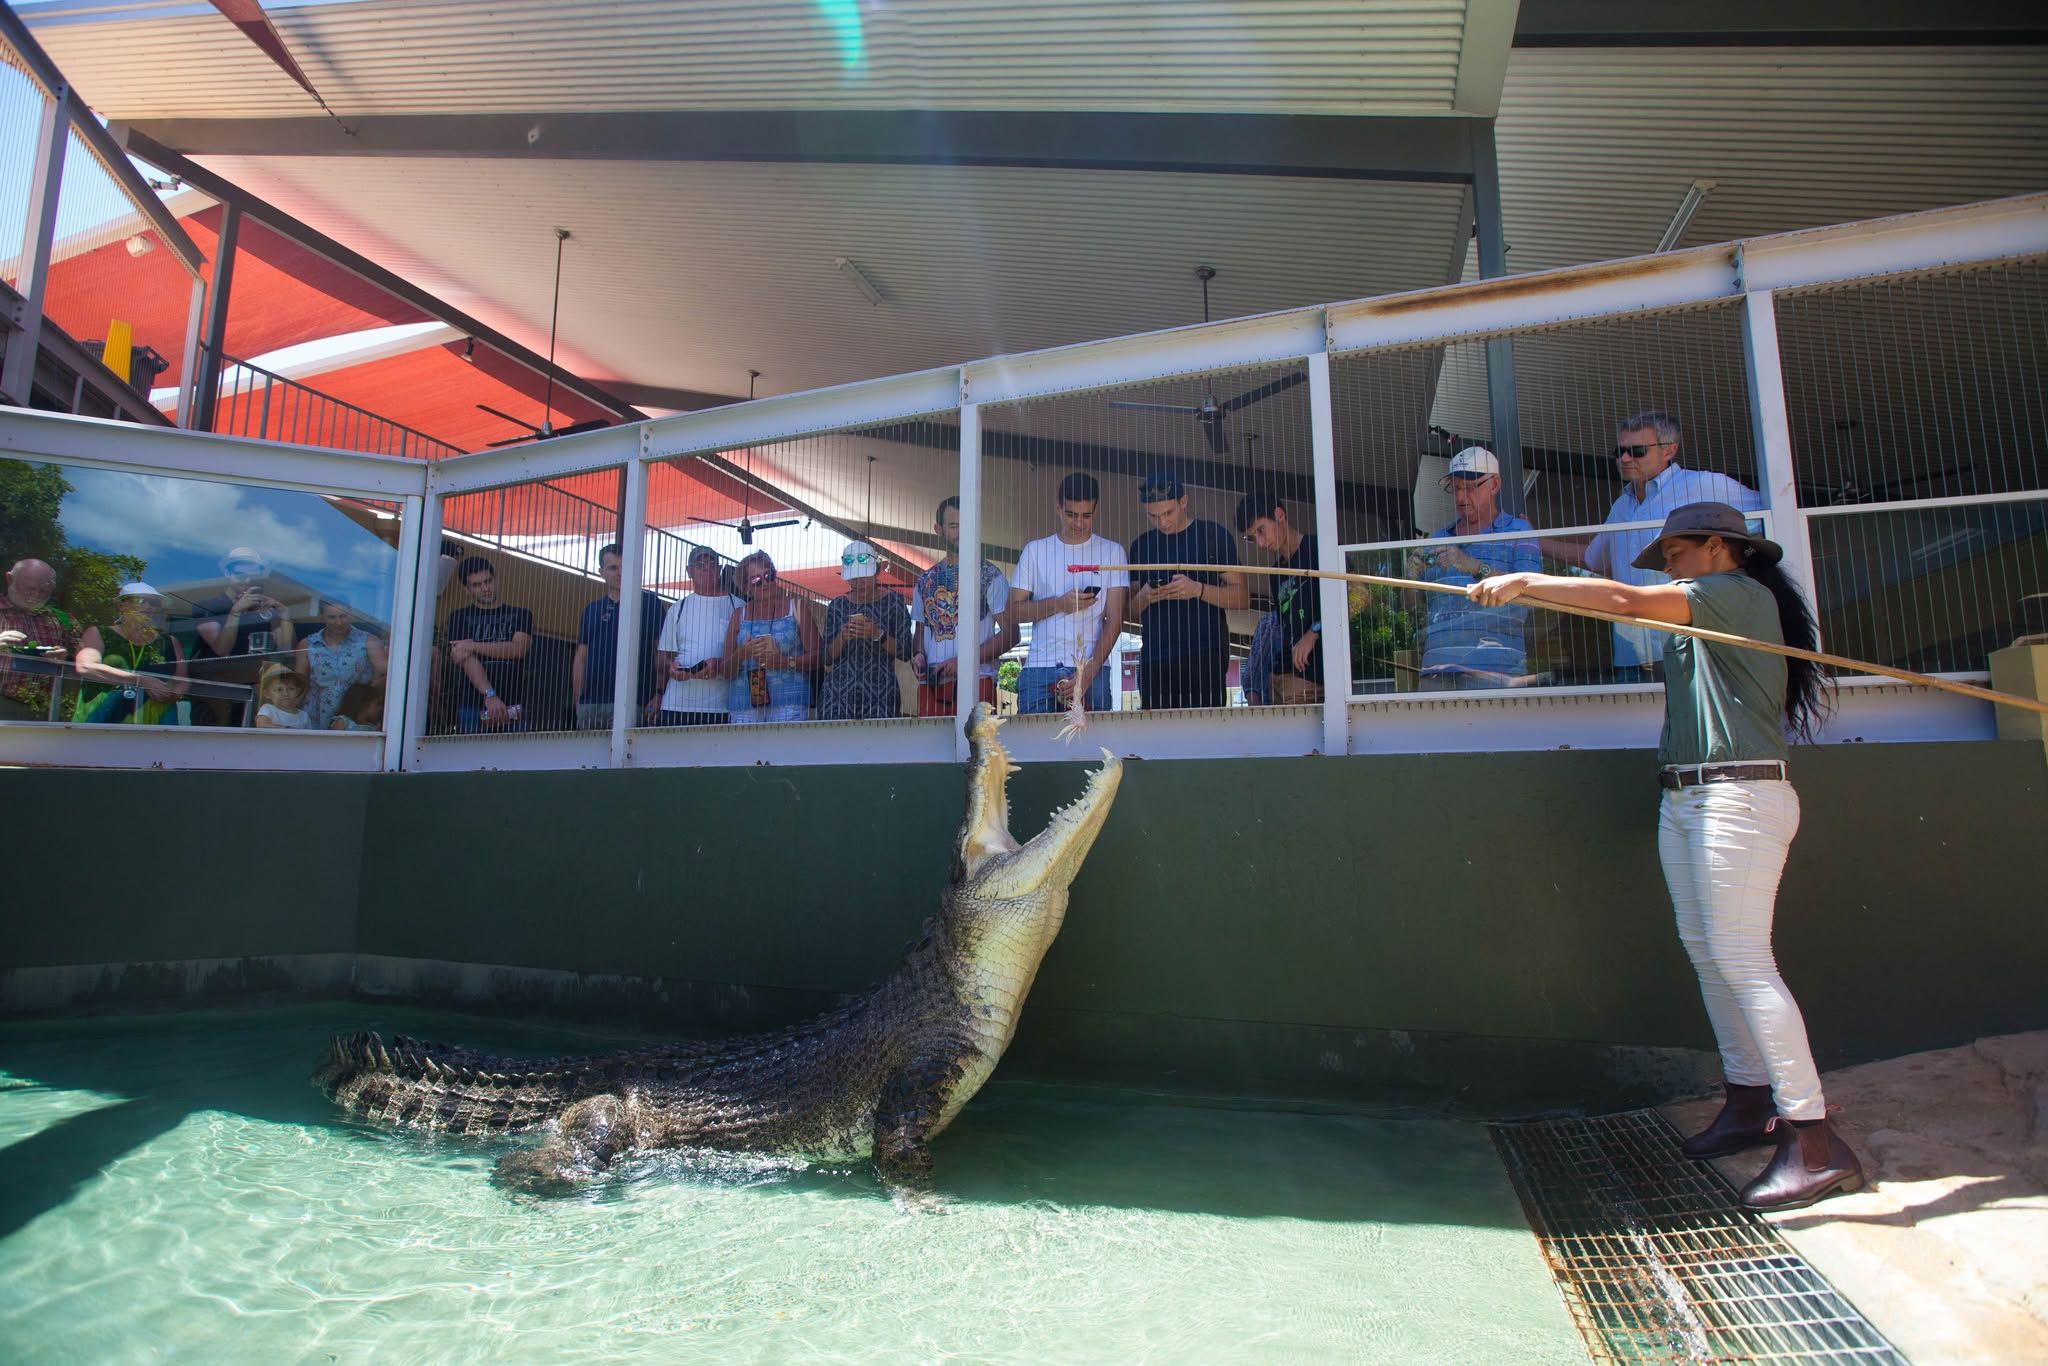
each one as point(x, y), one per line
point(404, 1085)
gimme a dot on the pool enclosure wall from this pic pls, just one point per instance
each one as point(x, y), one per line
point(1391, 882)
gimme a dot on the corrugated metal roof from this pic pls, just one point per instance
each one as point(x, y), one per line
point(1597, 146)
point(687, 273)
point(463, 56)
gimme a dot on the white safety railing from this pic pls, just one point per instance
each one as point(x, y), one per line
point(1349, 411)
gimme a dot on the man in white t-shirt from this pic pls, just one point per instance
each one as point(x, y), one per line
point(1078, 616)
point(692, 641)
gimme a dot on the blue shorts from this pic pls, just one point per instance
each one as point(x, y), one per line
point(1035, 694)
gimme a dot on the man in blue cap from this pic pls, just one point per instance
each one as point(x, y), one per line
point(1186, 654)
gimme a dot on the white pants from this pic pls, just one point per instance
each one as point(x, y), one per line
point(1723, 846)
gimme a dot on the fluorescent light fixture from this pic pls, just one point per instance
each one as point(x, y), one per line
point(860, 281)
point(1695, 195)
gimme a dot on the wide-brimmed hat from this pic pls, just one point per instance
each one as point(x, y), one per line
point(243, 554)
point(138, 589)
point(1708, 519)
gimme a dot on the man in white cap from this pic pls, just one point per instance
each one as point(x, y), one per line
point(1467, 645)
point(867, 629)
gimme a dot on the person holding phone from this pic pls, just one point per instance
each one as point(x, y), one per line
point(867, 629)
point(1077, 616)
point(1186, 653)
point(690, 653)
point(30, 624)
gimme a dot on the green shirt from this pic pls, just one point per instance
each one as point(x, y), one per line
point(1723, 703)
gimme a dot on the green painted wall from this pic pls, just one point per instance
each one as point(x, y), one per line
point(1490, 923)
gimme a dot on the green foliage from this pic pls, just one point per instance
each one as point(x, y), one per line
point(31, 505)
point(1380, 625)
point(1006, 675)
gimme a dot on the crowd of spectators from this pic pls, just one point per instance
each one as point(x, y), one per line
point(741, 646)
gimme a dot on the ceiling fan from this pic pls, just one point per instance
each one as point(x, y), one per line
point(1209, 413)
point(547, 427)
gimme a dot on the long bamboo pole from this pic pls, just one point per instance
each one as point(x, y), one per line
point(1862, 666)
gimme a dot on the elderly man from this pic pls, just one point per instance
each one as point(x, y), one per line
point(1186, 651)
point(1467, 645)
point(31, 626)
point(1646, 450)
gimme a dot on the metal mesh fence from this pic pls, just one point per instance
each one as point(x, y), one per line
point(1210, 469)
point(1668, 388)
point(21, 111)
point(523, 601)
point(1918, 388)
point(795, 565)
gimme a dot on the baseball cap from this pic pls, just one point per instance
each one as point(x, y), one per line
point(857, 561)
point(1474, 462)
point(1708, 519)
point(703, 552)
point(1159, 486)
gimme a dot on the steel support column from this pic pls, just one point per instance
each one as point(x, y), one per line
point(1502, 400)
point(632, 568)
point(18, 378)
point(1771, 430)
point(405, 732)
point(206, 394)
point(967, 625)
point(1331, 594)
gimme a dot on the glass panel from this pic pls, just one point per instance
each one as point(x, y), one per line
point(153, 600)
point(1932, 589)
point(1171, 472)
point(526, 621)
point(1918, 388)
point(807, 555)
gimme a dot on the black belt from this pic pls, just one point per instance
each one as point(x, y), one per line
point(1675, 776)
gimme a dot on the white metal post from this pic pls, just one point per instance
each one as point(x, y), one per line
point(1771, 429)
point(967, 631)
point(404, 592)
point(426, 593)
point(17, 382)
point(1336, 613)
point(188, 379)
point(632, 556)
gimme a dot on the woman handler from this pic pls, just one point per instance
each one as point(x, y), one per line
point(1727, 820)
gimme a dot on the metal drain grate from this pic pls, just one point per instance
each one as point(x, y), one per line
point(1657, 1261)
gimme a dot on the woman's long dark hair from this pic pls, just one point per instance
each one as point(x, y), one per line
point(1807, 700)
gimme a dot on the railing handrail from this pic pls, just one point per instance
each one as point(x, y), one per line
point(272, 377)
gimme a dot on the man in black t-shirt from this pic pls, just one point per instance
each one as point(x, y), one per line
point(1298, 673)
point(487, 644)
point(1186, 653)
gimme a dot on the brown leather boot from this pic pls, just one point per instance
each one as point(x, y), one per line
point(1812, 1163)
point(1740, 1126)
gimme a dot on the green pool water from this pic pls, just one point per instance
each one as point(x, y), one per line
point(172, 1188)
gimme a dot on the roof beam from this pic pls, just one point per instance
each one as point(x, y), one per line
point(1311, 146)
point(1483, 56)
point(1779, 23)
point(170, 160)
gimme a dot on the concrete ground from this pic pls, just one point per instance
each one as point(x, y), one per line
point(1946, 1248)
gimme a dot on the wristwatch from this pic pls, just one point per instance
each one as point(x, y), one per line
point(490, 692)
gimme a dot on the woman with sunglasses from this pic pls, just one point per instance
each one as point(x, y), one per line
point(1727, 821)
point(771, 645)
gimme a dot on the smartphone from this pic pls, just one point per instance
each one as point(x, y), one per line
point(1090, 591)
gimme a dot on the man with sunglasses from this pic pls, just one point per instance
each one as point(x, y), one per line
point(1646, 450)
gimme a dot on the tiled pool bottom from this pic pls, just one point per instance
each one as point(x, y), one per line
point(172, 1186)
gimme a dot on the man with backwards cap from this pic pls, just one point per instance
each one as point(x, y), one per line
point(1186, 652)
point(692, 641)
point(1467, 645)
point(867, 629)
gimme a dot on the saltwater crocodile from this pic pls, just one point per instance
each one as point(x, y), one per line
point(879, 1077)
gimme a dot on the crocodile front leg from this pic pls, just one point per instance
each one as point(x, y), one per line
point(589, 1135)
point(908, 1116)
